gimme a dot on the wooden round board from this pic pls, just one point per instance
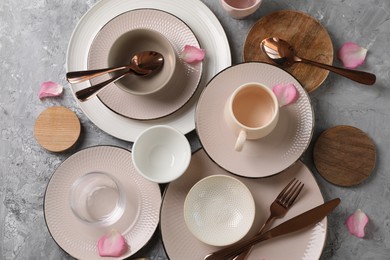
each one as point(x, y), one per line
point(344, 155)
point(308, 37)
point(57, 129)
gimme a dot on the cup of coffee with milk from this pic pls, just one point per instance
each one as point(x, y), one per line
point(252, 112)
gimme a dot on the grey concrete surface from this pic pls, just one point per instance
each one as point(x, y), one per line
point(34, 36)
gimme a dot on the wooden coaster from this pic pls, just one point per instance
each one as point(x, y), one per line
point(57, 129)
point(344, 155)
point(307, 36)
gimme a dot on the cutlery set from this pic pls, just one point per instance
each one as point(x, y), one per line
point(142, 64)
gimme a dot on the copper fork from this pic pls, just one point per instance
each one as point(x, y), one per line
point(278, 208)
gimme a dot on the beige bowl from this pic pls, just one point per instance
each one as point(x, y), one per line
point(219, 210)
point(135, 41)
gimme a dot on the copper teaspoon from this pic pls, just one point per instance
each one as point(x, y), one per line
point(142, 63)
point(283, 54)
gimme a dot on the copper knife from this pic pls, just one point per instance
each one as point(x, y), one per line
point(301, 221)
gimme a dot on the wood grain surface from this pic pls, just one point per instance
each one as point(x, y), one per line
point(57, 129)
point(307, 36)
point(344, 155)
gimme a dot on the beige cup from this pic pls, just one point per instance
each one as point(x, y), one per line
point(252, 112)
point(239, 9)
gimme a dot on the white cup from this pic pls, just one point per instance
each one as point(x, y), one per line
point(161, 154)
point(97, 199)
point(252, 112)
point(239, 9)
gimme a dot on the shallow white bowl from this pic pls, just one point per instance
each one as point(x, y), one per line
point(219, 210)
point(161, 154)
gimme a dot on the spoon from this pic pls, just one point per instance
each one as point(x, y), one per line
point(146, 67)
point(87, 93)
point(142, 63)
point(283, 54)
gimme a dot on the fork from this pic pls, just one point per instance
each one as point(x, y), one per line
point(278, 208)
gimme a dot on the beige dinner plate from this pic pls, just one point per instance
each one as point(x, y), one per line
point(308, 243)
point(139, 220)
point(307, 36)
point(172, 97)
point(263, 157)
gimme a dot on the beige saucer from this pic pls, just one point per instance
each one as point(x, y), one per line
point(344, 155)
point(57, 129)
point(262, 157)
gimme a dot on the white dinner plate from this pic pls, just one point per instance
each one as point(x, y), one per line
point(140, 217)
point(265, 156)
point(306, 244)
point(194, 13)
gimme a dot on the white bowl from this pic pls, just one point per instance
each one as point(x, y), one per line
point(161, 154)
point(219, 210)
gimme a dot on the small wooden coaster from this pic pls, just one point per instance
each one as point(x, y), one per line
point(307, 36)
point(344, 155)
point(57, 129)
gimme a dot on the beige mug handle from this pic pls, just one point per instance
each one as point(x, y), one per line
point(240, 141)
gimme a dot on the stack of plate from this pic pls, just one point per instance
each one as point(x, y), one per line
point(189, 22)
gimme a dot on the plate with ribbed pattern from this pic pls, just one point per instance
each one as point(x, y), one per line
point(194, 13)
point(262, 157)
point(180, 89)
point(307, 244)
point(138, 222)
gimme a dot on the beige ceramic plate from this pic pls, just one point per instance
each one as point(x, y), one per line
point(308, 37)
point(143, 200)
point(172, 97)
point(259, 158)
point(307, 244)
point(194, 13)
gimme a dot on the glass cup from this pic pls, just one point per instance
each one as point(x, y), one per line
point(97, 199)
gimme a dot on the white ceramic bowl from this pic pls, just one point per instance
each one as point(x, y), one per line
point(161, 154)
point(219, 210)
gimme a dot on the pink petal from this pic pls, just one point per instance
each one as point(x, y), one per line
point(356, 223)
point(285, 93)
point(112, 244)
point(50, 89)
point(191, 54)
point(352, 55)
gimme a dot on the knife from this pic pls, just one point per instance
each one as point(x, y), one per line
point(303, 220)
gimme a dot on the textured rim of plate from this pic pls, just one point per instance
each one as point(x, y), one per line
point(193, 71)
point(95, 149)
point(309, 253)
point(194, 13)
point(301, 92)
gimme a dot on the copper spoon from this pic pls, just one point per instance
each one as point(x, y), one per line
point(86, 93)
point(142, 63)
point(283, 54)
point(146, 66)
